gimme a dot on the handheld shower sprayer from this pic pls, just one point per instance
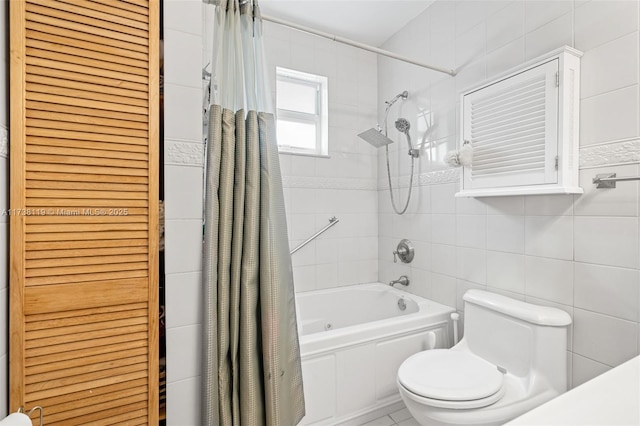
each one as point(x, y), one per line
point(403, 125)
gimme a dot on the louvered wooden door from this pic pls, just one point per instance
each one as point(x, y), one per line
point(84, 191)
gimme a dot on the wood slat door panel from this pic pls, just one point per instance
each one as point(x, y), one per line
point(57, 43)
point(84, 183)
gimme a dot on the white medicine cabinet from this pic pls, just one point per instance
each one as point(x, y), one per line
point(523, 129)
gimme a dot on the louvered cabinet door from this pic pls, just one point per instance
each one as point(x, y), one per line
point(512, 126)
point(84, 191)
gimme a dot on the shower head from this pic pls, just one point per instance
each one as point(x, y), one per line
point(376, 138)
point(404, 95)
point(402, 124)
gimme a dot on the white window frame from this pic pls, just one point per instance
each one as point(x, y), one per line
point(320, 119)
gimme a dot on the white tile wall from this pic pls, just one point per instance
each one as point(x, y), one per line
point(443, 289)
point(471, 231)
point(443, 228)
point(607, 240)
point(505, 57)
point(183, 189)
point(471, 264)
point(342, 185)
point(184, 402)
point(549, 236)
point(505, 206)
point(505, 25)
point(184, 363)
point(505, 233)
point(181, 289)
point(608, 290)
point(549, 279)
point(183, 51)
point(585, 369)
point(598, 22)
point(617, 339)
point(443, 259)
point(506, 271)
point(580, 253)
point(610, 66)
point(468, 14)
point(540, 12)
point(549, 36)
point(610, 116)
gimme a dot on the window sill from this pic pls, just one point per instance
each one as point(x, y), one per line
point(304, 154)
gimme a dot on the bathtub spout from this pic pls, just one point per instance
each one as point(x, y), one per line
point(404, 280)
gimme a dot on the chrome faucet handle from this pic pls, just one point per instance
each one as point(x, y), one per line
point(404, 251)
point(401, 251)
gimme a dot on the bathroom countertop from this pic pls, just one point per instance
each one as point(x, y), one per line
point(613, 398)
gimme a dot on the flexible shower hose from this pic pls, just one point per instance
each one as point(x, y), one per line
point(393, 201)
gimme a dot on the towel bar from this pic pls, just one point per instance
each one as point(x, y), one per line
point(608, 180)
point(332, 221)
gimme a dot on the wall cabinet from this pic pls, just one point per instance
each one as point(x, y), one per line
point(523, 129)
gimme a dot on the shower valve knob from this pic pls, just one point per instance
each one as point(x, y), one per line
point(404, 251)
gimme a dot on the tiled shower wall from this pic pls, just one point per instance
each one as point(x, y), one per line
point(4, 204)
point(579, 253)
point(341, 185)
point(183, 168)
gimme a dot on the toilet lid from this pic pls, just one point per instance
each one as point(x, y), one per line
point(450, 375)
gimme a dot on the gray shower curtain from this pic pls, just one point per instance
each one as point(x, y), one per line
point(251, 362)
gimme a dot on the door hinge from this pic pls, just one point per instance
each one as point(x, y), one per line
point(556, 162)
point(557, 79)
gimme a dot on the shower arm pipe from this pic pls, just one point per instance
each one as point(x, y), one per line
point(332, 221)
point(404, 95)
point(347, 41)
point(357, 44)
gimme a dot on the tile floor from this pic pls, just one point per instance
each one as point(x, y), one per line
point(398, 418)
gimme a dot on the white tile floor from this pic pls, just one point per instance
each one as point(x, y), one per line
point(398, 418)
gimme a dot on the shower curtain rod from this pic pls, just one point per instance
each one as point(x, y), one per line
point(357, 44)
point(349, 42)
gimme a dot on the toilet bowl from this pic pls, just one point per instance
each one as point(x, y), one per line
point(512, 358)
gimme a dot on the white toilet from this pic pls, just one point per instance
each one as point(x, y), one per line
point(512, 358)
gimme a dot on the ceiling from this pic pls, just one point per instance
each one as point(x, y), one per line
point(366, 21)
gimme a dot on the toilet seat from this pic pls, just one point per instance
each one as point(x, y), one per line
point(451, 379)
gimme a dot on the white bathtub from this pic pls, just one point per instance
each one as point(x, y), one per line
point(352, 341)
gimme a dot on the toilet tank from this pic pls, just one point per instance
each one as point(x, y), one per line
point(522, 338)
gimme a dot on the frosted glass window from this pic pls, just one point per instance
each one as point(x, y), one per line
point(302, 112)
point(297, 97)
point(296, 135)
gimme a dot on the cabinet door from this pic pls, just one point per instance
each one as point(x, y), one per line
point(84, 191)
point(512, 126)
